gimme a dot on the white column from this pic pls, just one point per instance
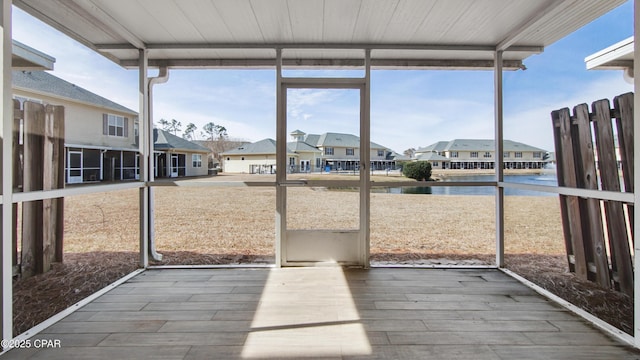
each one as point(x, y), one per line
point(499, 117)
point(146, 157)
point(281, 162)
point(636, 178)
point(7, 174)
point(365, 160)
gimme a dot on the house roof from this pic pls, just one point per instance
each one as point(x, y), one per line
point(245, 33)
point(342, 140)
point(392, 155)
point(301, 146)
point(265, 146)
point(618, 56)
point(431, 156)
point(437, 147)
point(24, 57)
point(487, 145)
point(44, 83)
point(164, 140)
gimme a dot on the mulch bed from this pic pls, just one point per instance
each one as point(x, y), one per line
point(39, 297)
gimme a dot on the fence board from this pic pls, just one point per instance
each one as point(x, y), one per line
point(53, 139)
point(614, 211)
point(593, 230)
point(566, 177)
point(32, 181)
point(624, 124)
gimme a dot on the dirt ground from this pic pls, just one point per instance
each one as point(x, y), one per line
point(235, 224)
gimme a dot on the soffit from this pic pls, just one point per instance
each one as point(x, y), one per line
point(618, 56)
point(245, 33)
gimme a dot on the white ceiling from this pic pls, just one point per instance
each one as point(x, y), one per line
point(245, 33)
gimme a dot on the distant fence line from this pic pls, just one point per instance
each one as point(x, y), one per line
point(598, 234)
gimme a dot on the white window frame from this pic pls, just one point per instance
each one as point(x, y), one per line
point(328, 151)
point(350, 151)
point(474, 154)
point(381, 152)
point(115, 122)
point(518, 154)
point(453, 154)
point(196, 160)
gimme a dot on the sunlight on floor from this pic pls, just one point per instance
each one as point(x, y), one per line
point(310, 314)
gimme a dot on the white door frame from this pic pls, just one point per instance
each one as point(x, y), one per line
point(74, 179)
point(172, 167)
point(295, 247)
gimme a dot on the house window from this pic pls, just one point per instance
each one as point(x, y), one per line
point(454, 154)
point(518, 154)
point(350, 151)
point(328, 151)
point(136, 129)
point(292, 161)
point(196, 160)
point(506, 154)
point(537, 155)
point(380, 152)
point(474, 154)
point(435, 163)
point(115, 125)
point(487, 154)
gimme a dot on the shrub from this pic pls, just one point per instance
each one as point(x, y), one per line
point(418, 170)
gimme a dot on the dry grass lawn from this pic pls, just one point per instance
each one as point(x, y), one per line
point(200, 225)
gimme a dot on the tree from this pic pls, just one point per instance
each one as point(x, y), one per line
point(410, 152)
point(164, 123)
point(189, 132)
point(213, 131)
point(174, 126)
point(418, 170)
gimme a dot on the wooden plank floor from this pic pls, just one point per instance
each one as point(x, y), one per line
point(324, 312)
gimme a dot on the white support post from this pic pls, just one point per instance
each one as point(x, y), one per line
point(365, 163)
point(281, 162)
point(7, 174)
point(499, 118)
point(143, 142)
point(636, 179)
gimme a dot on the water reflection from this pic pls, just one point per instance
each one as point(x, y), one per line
point(535, 179)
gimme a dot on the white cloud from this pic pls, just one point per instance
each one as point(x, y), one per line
point(531, 122)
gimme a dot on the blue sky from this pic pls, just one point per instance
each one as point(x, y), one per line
point(408, 108)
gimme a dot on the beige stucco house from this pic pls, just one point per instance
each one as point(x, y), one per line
point(480, 154)
point(101, 136)
point(307, 153)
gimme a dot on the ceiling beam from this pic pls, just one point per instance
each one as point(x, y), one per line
point(313, 46)
point(479, 64)
point(546, 11)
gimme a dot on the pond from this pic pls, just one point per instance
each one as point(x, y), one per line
point(536, 179)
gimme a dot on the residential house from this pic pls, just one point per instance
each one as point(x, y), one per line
point(480, 154)
point(178, 157)
point(101, 135)
point(307, 153)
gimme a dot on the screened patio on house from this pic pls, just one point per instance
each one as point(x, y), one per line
point(321, 298)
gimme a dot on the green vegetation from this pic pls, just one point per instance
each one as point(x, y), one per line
point(419, 170)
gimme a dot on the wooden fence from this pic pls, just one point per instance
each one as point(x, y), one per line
point(38, 145)
point(598, 234)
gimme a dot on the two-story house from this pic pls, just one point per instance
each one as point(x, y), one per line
point(100, 135)
point(307, 153)
point(480, 154)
